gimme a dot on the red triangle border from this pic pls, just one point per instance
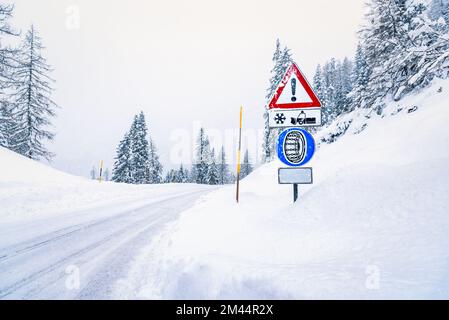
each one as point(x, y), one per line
point(315, 103)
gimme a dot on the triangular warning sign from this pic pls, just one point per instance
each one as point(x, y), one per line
point(294, 92)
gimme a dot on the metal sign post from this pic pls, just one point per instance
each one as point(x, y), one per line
point(295, 192)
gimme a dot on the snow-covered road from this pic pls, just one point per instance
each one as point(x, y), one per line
point(43, 258)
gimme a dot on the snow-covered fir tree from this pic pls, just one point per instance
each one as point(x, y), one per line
point(361, 75)
point(177, 176)
point(183, 174)
point(153, 166)
point(7, 54)
point(212, 170)
point(33, 107)
point(93, 173)
point(276, 75)
point(318, 86)
point(139, 150)
point(6, 124)
point(224, 176)
point(137, 160)
point(246, 167)
point(200, 166)
point(171, 176)
point(404, 48)
point(7, 64)
point(282, 60)
point(106, 174)
point(121, 171)
point(346, 85)
point(332, 84)
point(440, 9)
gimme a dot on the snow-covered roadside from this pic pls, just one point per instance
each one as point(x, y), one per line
point(30, 190)
point(51, 221)
point(37, 194)
point(374, 225)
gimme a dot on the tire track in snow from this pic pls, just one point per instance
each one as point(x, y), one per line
point(152, 216)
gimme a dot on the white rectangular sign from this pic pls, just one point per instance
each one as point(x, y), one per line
point(295, 176)
point(307, 117)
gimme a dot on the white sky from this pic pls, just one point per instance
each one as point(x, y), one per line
point(178, 61)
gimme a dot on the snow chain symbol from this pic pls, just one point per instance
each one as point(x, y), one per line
point(295, 147)
point(280, 118)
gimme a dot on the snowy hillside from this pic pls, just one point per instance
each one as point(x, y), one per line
point(374, 225)
point(30, 190)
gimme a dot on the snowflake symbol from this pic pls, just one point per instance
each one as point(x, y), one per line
point(279, 118)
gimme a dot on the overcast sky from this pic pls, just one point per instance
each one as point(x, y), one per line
point(181, 62)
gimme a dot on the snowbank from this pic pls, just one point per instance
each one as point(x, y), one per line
point(374, 225)
point(31, 191)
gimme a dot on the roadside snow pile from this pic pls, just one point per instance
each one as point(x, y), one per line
point(30, 190)
point(374, 225)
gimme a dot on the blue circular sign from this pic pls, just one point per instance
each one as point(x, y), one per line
point(295, 147)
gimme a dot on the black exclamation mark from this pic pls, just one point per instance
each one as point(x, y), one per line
point(293, 89)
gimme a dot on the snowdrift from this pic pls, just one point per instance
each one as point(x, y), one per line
point(15, 169)
point(30, 190)
point(374, 225)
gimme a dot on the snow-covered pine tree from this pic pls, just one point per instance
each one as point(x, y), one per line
point(340, 98)
point(223, 168)
point(318, 86)
point(361, 75)
point(139, 150)
point(7, 64)
point(154, 167)
point(177, 176)
point(404, 49)
point(93, 173)
point(346, 73)
point(170, 177)
point(329, 82)
point(183, 175)
point(106, 174)
point(121, 171)
point(319, 90)
point(7, 54)
point(282, 60)
point(266, 150)
point(440, 9)
point(246, 167)
point(276, 77)
point(32, 106)
point(201, 162)
point(428, 55)
point(213, 171)
point(6, 124)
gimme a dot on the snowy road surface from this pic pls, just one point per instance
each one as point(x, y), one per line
point(43, 258)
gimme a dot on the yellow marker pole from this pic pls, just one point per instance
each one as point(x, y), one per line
point(101, 171)
point(238, 155)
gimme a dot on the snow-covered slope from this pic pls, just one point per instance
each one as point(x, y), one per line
point(374, 225)
point(64, 237)
point(30, 191)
